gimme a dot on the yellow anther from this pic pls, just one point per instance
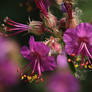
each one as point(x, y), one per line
point(29, 77)
point(85, 66)
point(34, 77)
point(22, 77)
point(90, 66)
point(76, 65)
point(77, 59)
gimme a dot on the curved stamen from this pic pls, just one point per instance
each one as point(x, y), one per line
point(39, 69)
point(81, 47)
point(87, 51)
point(34, 66)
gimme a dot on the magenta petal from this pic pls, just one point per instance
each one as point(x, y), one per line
point(71, 43)
point(48, 64)
point(88, 29)
point(62, 61)
point(71, 49)
point(84, 30)
point(90, 40)
point(81, 30)
point(42, 49)
point(25, 52)
point(70, 36)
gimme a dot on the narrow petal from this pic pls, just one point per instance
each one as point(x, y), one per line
point(39, 69)
point(62, 61)
point(42, 49)
point(48, 64)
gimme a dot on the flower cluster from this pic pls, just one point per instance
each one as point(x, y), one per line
point(69, 42)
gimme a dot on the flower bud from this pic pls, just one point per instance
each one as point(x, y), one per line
point(50, 20)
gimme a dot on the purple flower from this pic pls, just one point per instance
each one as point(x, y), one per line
point(8, 64)
point(42, 5)
point(37, 53)
point(62, 82)
point(8, 73)
point(79, 41)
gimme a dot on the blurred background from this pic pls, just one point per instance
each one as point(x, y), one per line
point(19, 11)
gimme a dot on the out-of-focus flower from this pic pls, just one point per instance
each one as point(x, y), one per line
point(79, 41)
point(8, 62)
point(8, 49)
point(37, 53)
point(62, 82)
point(8, 72)
point(62, 61)
point(35, 27)
point(43, 6)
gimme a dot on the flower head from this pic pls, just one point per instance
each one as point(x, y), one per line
point(35, 27)
point(37, 53)
point(79, 41)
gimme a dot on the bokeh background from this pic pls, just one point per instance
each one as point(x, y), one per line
point(20, 10)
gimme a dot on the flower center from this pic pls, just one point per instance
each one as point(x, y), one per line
point(36, 55)
point(83, 39)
